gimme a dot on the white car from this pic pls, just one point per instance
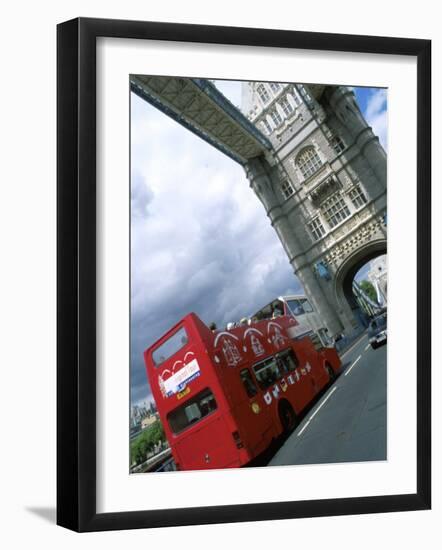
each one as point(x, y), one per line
point(377, 331)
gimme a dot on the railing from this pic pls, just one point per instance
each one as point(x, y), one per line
point(151, 462)
point(366, 298)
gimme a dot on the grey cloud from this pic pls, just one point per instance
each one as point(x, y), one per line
point(141, 196)
point(213, 294)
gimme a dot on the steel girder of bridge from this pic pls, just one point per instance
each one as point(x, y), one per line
point(199, 106)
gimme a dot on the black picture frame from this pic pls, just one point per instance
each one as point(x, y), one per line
point(76, 274)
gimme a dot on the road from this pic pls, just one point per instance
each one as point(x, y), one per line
point(349, 422)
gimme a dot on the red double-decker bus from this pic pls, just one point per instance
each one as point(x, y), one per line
point(223, 396)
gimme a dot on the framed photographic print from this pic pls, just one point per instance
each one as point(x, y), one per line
point(225, 200)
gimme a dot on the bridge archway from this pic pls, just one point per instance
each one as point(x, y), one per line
point(345, 298)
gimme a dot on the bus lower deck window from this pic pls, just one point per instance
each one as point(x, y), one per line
point(316, 341)
point(267, 372)
point(288, 360)
point(192, 411)
point(248, 383)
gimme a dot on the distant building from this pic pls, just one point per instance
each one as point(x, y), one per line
point(378, 278)
point(148, 421)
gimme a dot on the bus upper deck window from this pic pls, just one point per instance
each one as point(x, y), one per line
point(168, 348)
point(296, 307)
point(288, 360)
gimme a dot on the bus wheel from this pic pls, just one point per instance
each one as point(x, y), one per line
point(287, 416)
point(331, 373)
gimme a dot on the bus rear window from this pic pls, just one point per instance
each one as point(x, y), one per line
point(168, 348)
point(192, 411)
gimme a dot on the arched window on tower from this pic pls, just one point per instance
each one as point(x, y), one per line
point(296, 97)
point(308, 161)
point(287, 107)
point(266, 126)
point(276, 117)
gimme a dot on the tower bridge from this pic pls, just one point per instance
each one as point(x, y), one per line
point(314, 163)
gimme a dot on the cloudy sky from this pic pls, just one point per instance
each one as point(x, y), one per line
point(200, 238)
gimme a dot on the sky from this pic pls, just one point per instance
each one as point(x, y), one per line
point(200, 239)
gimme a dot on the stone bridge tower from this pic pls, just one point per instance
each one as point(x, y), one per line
point(324, 188)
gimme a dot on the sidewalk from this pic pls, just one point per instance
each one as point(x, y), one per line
point(347, 341)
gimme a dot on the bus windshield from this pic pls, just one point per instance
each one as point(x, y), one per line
point(300, 306)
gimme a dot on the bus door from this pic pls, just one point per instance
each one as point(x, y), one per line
point(255, 423)
point(305, 383)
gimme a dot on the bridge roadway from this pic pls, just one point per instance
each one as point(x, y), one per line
point(349, 422)
point(199, 106)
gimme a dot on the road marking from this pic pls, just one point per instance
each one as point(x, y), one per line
point(367, 346)
point(317, 410)
point(351, 366)
point(354, 345)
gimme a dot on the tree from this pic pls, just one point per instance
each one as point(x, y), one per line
point(369, 290)
point(146, 441)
